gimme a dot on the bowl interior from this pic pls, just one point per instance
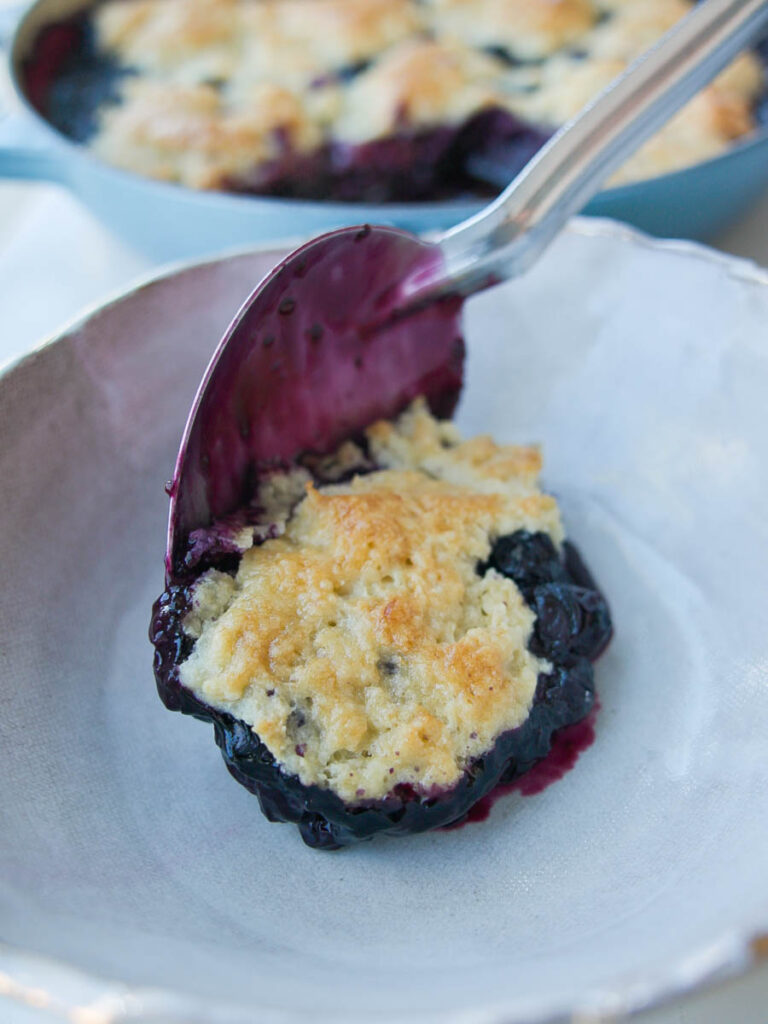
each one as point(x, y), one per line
point(127, 851)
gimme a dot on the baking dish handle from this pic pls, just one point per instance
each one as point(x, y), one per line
point(23, 153)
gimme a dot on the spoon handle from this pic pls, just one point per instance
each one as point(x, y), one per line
point(506, 237)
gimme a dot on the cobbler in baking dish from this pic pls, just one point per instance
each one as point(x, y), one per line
point(386, 633)
point(359, 99)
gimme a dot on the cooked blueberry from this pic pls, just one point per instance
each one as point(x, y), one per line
point(505, 55)
point(295, 721)
point(529, 559)
point(569, 689)
point(597, 627)
point(346, 74)
point(558, 620)
point(571, 621)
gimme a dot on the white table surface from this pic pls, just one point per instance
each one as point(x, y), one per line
point(56, 259)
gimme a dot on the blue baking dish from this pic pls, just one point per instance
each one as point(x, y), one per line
point(169, 221)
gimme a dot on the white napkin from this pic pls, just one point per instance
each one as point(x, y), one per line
point(56, 259)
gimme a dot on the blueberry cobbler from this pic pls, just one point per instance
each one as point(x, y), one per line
point(359, 99)
point(385, 633)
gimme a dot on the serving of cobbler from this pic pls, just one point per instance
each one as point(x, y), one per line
point(370, 100)
point(385, 633)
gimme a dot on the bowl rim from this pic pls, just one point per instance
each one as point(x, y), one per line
point(62, 989)
point(73, 150)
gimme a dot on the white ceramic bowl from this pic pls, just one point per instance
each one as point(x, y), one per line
point(139, 881)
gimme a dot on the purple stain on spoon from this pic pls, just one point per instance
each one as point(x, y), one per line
point(344, 362)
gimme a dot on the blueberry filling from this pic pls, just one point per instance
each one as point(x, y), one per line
point(572, 627)
point(572, 618)
point(571, 622)
point(506, 56)
point(530, 559)
point(435, 163)
point(69, 80)
point(344, 74)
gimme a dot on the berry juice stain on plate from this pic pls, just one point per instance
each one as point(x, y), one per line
point(568, 744)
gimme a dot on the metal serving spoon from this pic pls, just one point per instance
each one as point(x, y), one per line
point(356, 323)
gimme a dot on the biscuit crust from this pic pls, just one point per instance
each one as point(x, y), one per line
point(362, 645)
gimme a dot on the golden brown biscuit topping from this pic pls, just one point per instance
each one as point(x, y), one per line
point(362, 645)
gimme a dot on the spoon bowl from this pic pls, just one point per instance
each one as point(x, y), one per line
point(295, 372)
